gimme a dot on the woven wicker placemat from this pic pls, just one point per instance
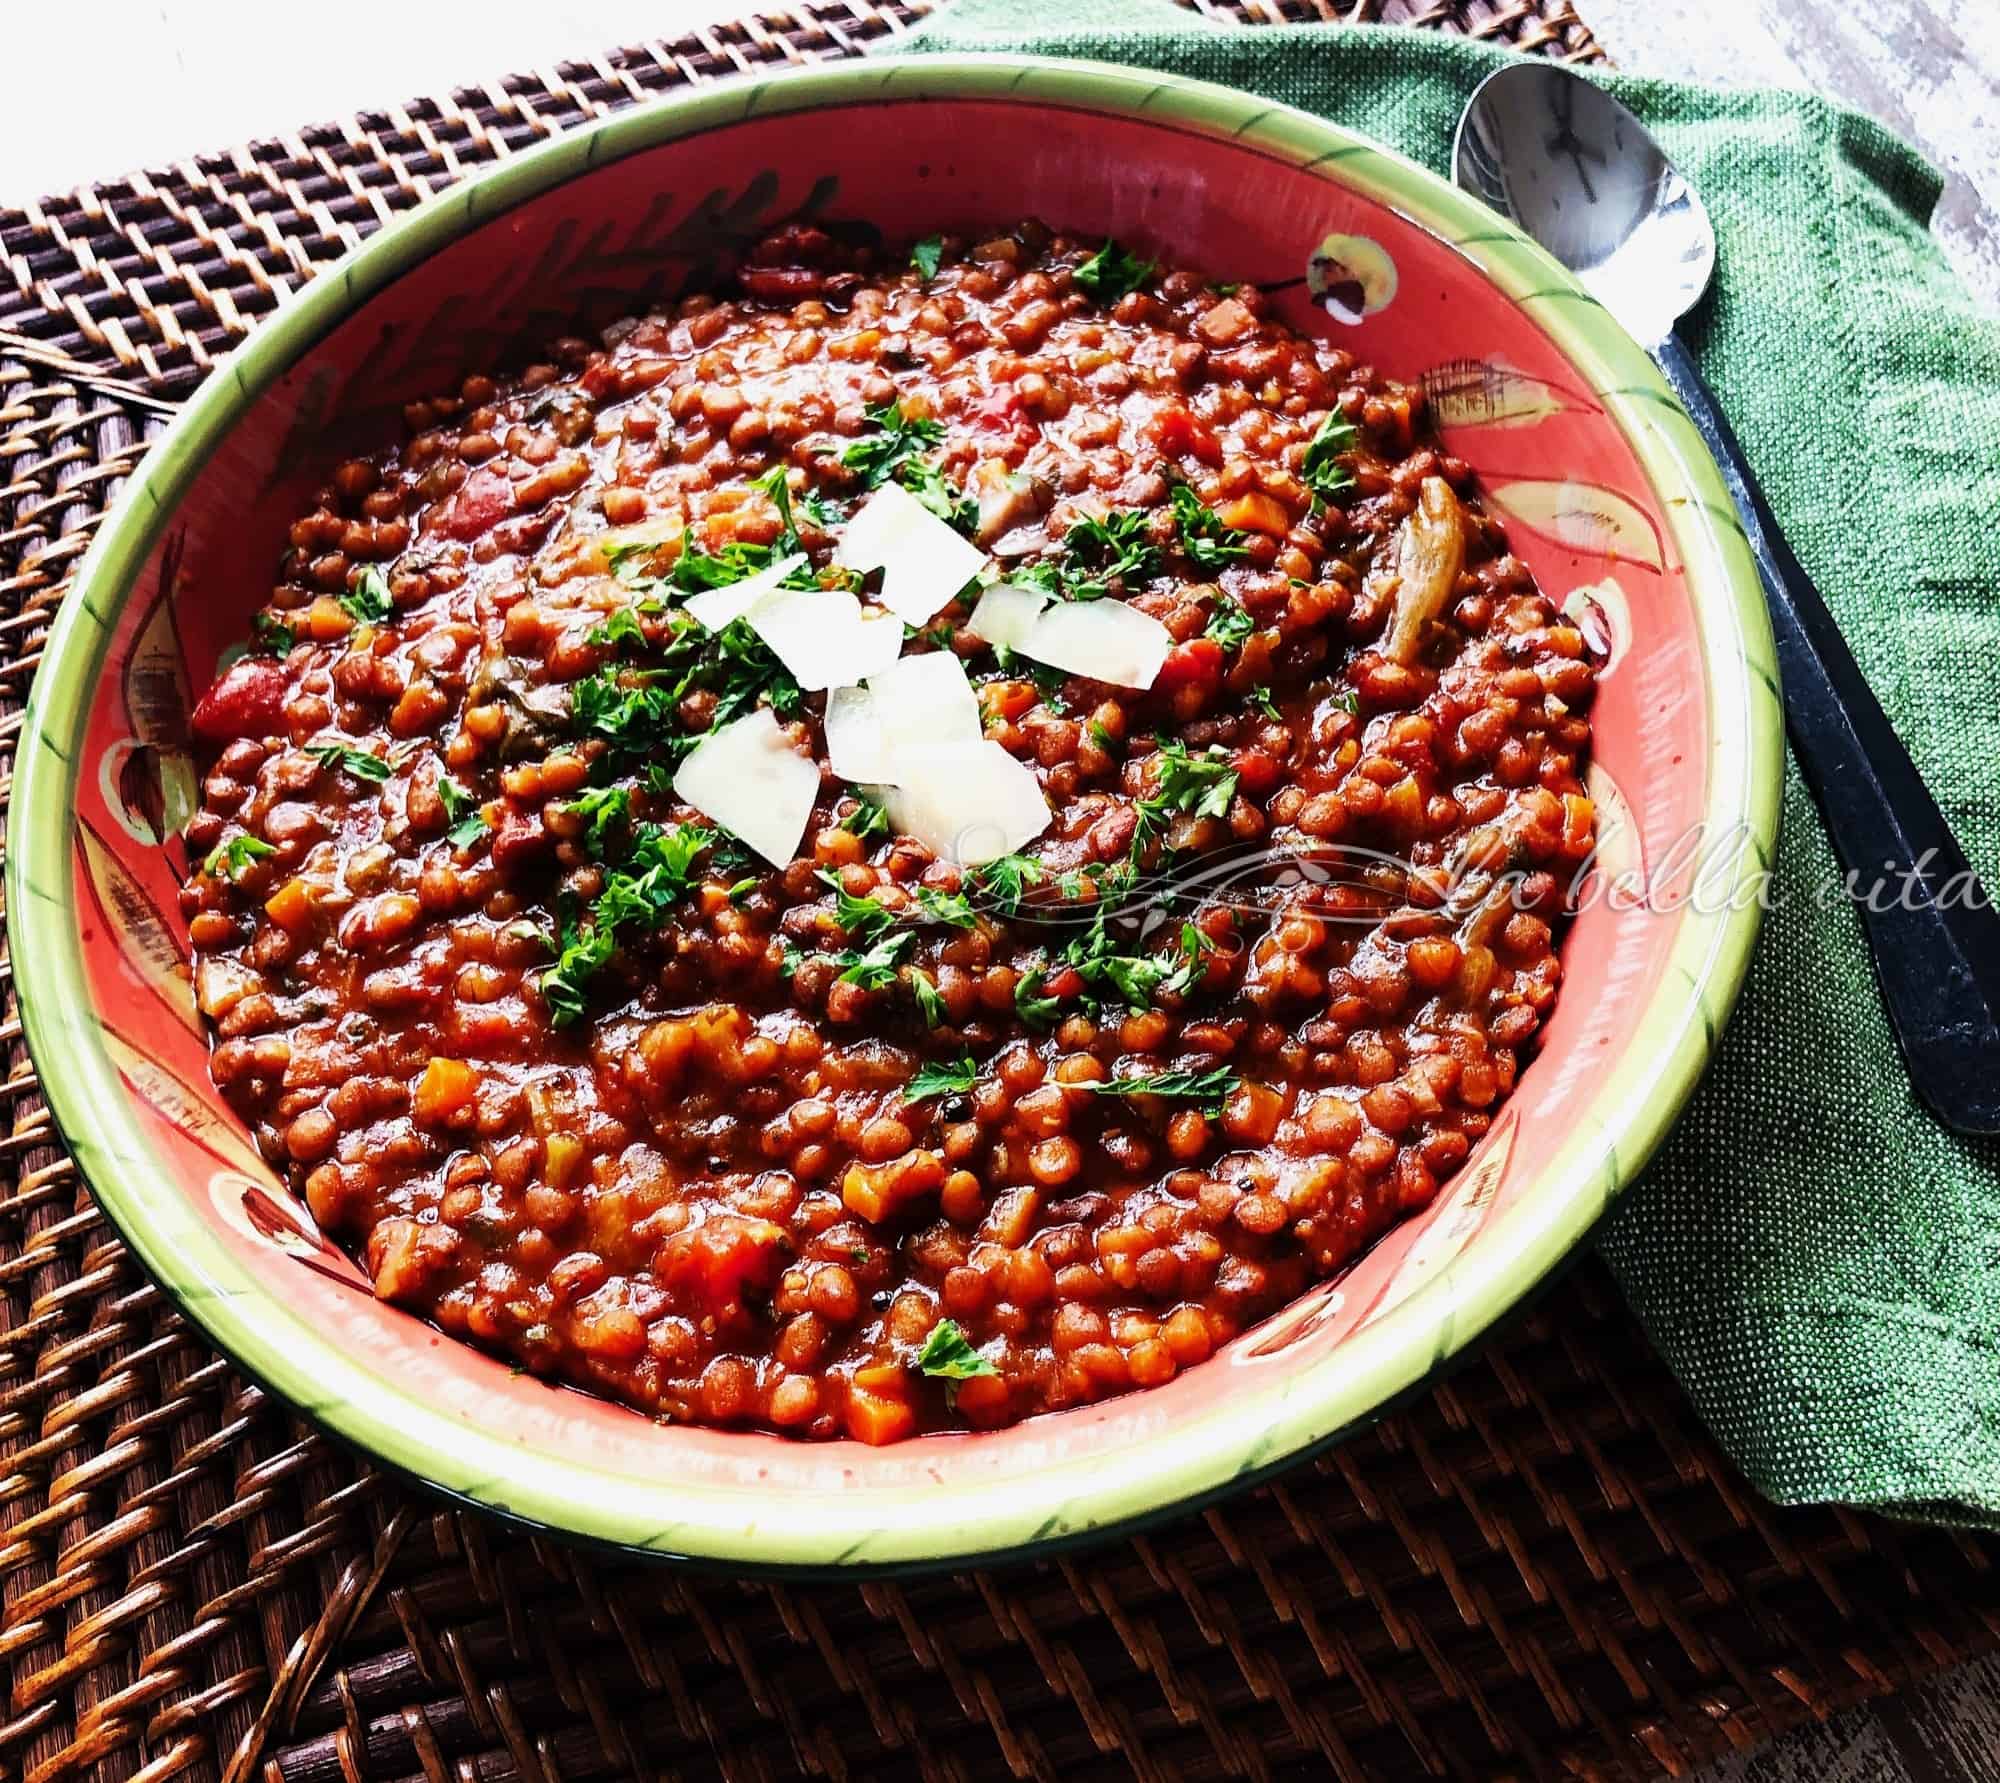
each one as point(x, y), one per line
point(1539, 1568)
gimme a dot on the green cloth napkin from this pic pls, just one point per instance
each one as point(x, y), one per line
point(1815, 1257)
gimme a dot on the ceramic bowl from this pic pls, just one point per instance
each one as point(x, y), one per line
point(1581, 451)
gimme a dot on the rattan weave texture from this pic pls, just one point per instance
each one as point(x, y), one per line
point(1540, 1568)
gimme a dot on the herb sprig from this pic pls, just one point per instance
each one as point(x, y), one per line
point(1112, 272)
point(1205, 1090)
point(462, 810)
point(230, 859)
point(946, 1077)
point(639, 894)
point(897, 451)
point(367, 601)
point(1325, 475)
point(347, 759)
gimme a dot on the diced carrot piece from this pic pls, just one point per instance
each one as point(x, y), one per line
point(327, 619)
point(290, 906)
point(448, 1085)
point(864, 1194)
point(878, 1421)
point(1255, 511)
point(874, 1191)
point(562, 1152)
point(1579, 821)
point(1227, 322)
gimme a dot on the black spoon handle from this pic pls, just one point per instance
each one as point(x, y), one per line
point(1931, 926)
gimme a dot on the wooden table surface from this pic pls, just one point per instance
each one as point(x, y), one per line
point(167, 82)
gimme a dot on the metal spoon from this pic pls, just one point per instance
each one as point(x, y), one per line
point(1569, 164)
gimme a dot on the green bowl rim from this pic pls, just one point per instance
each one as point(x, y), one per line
point(1271, 1423)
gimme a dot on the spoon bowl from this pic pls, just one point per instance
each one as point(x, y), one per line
point(1560, 157)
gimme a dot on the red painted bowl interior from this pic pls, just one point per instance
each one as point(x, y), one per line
point(1578, 506)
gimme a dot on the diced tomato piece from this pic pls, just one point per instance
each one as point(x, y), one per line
point(724, 1261)
point(1196, 663)
point(1002, 413)
point(1180, 433)
point(483, 500)
point(1257, 771)
point(247, 701)
point(1065, 981)
point(997, 412)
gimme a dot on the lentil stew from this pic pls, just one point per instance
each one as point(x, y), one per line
point(871, 1142)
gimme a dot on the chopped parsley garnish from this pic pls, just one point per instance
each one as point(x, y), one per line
point(1205, 541)
point(1260, 697)
point(861, 919)
point(947, 1355)
point(742, 888)
point(875, 970)
point(1195, 948)
point(272, 634)
point(638, 712)
point(228, 861)
point(1325, 475)
point(1112, 272)
point(868, 819)
point(653, 878)
point(926, 255)
point(621, 626)
point(1043, 577)
point(953, 909)
point(1034, 1007)
point(937, 492)
point(1206, 1090)
point(367, 601)
point(930, 1005)
point(865, 918)
point(581, 951)
point(468, 822)
point(774, 484)
point(897, 440)
point(1201, 785)
point(1006, 881)
point(607, 810)
point(625, 558)
point(357, 762)
point(1117, 545)
point(1229, 623)
point(1134, 977)
point(696, 570)
point(896, 450)
point(949, 1078)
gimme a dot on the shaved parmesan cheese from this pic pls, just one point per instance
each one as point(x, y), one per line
point(821, 637)
point(1105, 640)
point(967, 802)
point(922, 702)
point(749, 779)
point(877, 644)
point(923, 562)
point(1005, 614)
point(854, 748)
point(718, 607)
